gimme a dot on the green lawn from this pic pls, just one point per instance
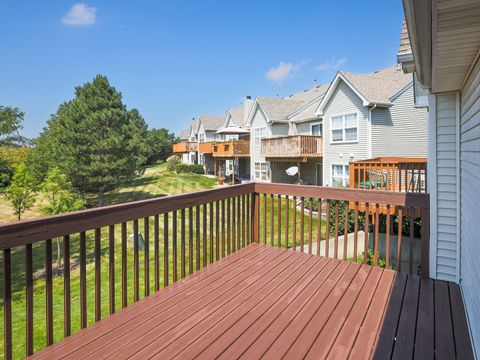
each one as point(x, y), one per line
point(156, 181)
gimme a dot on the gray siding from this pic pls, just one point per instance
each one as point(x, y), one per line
point(444, 191)
point(259, 120)
point(400, 130)
point(470, 200)
point(343, 101)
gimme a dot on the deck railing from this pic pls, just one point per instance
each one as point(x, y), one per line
point(187, 232)
point(206, 147)
point(390, 173)
point(292, 146)
point(233, 148)
point(184, 147)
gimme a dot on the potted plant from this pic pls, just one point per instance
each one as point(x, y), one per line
point(221, 180)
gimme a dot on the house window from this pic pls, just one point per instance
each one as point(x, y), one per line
point(201, 159)
point(258, 135)
point(344, 128)
point(261, 170)
point(230, 137)
point(201, 138)
point(316, 129)
point(340, 175)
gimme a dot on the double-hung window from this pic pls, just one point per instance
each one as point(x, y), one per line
point(316, 129)
point(258, 135)
point(344, 128)
point(261, 170)
point(340, 175)
point(201, 138)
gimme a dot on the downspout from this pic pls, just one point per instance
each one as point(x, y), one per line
point(369, 131)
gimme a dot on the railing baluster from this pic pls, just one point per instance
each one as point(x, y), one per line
point(7, 304)
point(425, 241)
point(327, 229)
point(83, 280)
point(174, 245)
point(204, 235)
point(217, 231)
point(146, 255)
point(399, 239)
point(367, 232)
point(156, 250)
point(310, 226)
point(319, 225)
point(279, 220)
point(265, 219)
point(243, 221)
point(345, 231)
point(136, 263)
point(335, 250)
point(98, 274)
point(211, 233)
point(197, 237)
point(387, 239)
point(228, 227)
point(49, 291)
point(234, 244)
point(411, 214)
point(287, 220)
point(223, 229)
point(294, 235)
point(165, 250)
point(182, 244)
point(190, 240)
point(271, 219)
point(375, 249)
point(29, 298)
point(355, 232)
point(239, 224)
point(111, 267)
point(302, 224)
point(124, 266)
point(249, 216)
point(67, 307)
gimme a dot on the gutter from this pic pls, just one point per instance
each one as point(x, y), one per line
point(369, 130)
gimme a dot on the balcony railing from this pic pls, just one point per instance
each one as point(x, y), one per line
point(233, 148)
point(184, 147)
point(205, 148)
point(186, 232)
point(390, 173)
point(292, 146)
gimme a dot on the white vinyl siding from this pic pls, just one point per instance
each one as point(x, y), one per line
point(470, 199)
point(259, 120)
point(258, 135)
point(444, 190)
point(400, 130)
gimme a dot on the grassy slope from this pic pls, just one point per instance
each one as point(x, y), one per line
point(155, 182)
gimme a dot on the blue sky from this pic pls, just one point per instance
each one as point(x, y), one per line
point(174, 60)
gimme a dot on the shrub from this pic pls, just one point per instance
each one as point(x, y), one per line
point(342, 207)
point(182, 168)
point(196, 168)
point(172, 163)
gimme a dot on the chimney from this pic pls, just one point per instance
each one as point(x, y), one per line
point(247, 106)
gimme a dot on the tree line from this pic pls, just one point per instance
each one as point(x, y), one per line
point(91, 145)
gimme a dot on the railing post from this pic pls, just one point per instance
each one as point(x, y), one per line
point(425, 238)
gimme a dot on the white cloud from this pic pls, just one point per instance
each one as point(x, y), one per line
point(80, 14)
point(332, 64)
point(285, 71)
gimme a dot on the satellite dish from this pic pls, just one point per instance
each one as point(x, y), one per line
point(292, 171)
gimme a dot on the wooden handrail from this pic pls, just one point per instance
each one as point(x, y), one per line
point(292, 146)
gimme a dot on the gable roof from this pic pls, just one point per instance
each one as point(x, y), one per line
point(376, 88)
point(211, 122)
point(184, 134)
point(405, 53)
point(307, 110)
point(278, 109)
point(193, 127)
point(237, 116)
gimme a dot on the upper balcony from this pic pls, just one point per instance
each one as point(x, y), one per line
point(246, 271)
point(185, 147)
point(205, 147)
point(231, 149)
point(292, 146)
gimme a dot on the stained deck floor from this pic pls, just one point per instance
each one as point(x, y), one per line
point(273, 303)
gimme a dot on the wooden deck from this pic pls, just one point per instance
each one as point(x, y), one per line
point(270, 302)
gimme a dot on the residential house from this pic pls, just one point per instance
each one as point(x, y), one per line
point(207, 127)
point(187, 148)
point(442, 49)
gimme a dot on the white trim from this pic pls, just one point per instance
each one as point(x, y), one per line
point(370, 132)
point(305, 106)
point(343, 169)
point(316, 123)
point(457, 158)
point(432, 182)
point(331, 142)
point(401, 91)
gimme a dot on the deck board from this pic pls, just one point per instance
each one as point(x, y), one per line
point(265, 302)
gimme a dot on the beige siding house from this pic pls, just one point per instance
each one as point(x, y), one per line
point(445, 56)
